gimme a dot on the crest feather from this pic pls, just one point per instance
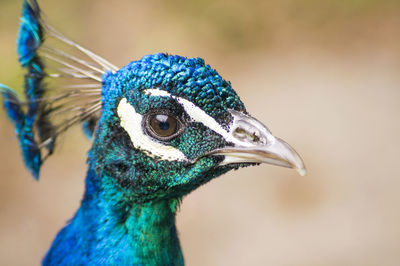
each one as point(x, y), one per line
point(62, 87)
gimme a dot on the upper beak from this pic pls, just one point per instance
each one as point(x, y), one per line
point(254, 143)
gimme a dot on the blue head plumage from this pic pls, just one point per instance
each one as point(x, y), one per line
point(158, 84)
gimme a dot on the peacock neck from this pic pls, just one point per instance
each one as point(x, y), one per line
point(110, 228)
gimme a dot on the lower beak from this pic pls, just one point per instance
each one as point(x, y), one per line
point(254, 143)
point(277, 153)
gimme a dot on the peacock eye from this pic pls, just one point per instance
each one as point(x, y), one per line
point(163, 126)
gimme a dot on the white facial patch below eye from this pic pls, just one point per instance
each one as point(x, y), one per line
point(131, 122)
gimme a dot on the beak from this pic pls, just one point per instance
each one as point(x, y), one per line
point(254, 143)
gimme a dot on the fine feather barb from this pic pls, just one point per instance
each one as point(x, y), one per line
point(82, 71)
point(96, 87)
point(73, 58)
point(101, 61)
point(53, 99)
point(80, 117)
point(68, 108)
point(71, 72)
point(69, 76)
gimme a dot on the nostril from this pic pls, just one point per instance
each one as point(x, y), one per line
point(239, 133)
point(255, 137)
point(245, 135)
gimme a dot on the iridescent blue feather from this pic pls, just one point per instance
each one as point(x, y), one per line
point(30, 34)
point(29, 40)
point(33, 117)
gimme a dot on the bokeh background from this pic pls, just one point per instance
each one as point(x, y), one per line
point(322, 74)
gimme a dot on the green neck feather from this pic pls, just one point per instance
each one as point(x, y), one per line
point(109, 228)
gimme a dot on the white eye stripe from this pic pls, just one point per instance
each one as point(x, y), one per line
point(198, 115)
point(132, 123)
point(157, 92)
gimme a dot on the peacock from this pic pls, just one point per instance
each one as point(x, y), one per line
point(160, 127)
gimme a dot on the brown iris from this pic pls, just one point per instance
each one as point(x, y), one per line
point(163, 126)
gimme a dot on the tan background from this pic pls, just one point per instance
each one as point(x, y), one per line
point(323, 75)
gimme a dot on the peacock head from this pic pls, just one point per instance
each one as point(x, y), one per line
point(164, 124)
point(170, 124)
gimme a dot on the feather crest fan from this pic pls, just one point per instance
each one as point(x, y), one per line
point(62, 88)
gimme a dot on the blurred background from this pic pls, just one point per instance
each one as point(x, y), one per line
point(322, 75)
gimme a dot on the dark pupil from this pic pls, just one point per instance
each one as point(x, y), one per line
point(163, 125)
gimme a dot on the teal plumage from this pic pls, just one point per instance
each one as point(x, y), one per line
point(113, 225)
point(161, 127)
